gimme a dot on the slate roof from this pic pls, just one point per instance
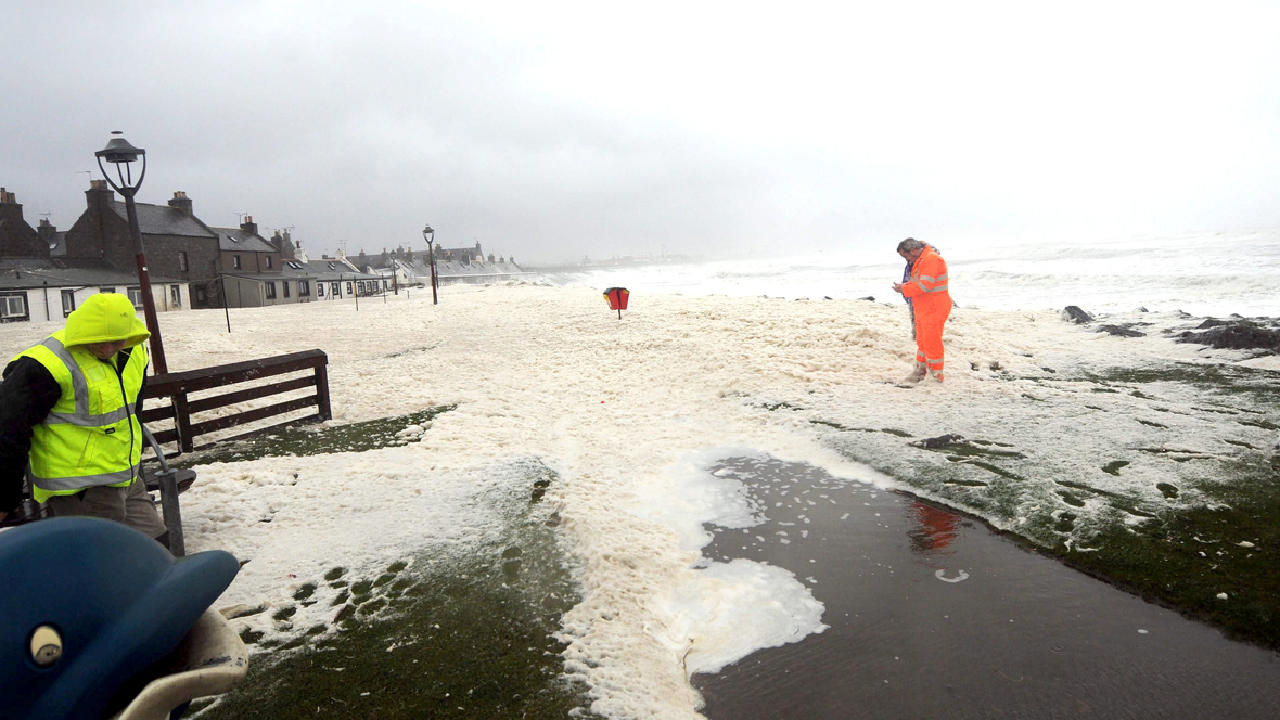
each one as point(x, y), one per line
point(329, 269)
point(20, 273)
point(326, 270)
point(164, 220)
point(58, 244)
point(237, 239)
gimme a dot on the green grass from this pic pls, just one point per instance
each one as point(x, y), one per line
point(468, 637)
point(314, 439)
point(1185, 559)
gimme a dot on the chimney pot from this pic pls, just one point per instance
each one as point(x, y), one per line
point(181, 202)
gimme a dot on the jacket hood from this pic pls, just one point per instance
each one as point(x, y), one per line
point(105, 317)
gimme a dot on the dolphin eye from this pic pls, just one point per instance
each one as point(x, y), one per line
point(46, 646)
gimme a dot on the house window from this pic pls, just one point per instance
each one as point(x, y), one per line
point(350, 290)
point(68, 302)
point(319, 289)
point(201, 296)
point(285, 286)
point(135, 296)
point(182, 262)
point(268, 258)
point(271, 290)
point(175, 296)
point(13, 307)
point(304, 288)
point(106, 289)
point(334, 289)
point(235, 263)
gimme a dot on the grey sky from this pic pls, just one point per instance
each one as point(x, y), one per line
point(554, 130)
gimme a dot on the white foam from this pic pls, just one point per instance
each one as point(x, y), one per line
point(624, 411)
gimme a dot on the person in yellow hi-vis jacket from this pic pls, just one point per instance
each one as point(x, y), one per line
point(69, 417)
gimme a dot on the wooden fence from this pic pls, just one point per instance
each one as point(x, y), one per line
point(179, 386)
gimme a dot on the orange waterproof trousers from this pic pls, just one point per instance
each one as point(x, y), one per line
point(929, 338)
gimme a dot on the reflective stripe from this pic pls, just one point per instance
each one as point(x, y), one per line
point(78, 382)
point(87, 420)
point(933, 279)
point(85, 481)
point(937, 288)
point(81, 387)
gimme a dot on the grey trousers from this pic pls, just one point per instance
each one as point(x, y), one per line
point(130, 506)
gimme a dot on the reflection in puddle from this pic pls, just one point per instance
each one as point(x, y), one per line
point(935, 528)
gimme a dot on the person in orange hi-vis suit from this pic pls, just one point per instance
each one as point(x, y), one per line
point(931, 303)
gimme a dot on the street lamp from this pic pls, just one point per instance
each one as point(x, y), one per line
point(120, 153)
point(430, 236)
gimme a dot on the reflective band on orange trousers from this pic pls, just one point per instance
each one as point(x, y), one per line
point(929, 336)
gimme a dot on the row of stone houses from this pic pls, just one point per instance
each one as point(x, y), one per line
point(45, 272)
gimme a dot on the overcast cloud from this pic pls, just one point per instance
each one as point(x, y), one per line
point(553, 130)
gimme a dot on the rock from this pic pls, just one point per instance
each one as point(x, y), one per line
point(1235, 335)
point(869, 297)
point(934, 443)
point(1121, 330)
point(1211, 323)
point(1076, 315)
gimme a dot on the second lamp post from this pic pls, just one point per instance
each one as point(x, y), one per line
point(430, 236)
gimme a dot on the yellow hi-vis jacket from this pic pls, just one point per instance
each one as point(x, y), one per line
point(91, 437)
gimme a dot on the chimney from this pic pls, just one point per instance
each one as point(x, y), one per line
point(287, 249)
point(98, 198)
point(181, 202)
point(46, 231)
point(248, 226)
point(9, 208)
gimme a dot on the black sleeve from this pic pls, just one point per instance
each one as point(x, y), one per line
point(27, 395)
point(122, 359)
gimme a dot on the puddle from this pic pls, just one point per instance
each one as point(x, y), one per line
point(931, 614)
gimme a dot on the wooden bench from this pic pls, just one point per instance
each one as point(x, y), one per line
point(179, 387)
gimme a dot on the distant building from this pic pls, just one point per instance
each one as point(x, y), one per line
point(177, 244)
point(39, 282)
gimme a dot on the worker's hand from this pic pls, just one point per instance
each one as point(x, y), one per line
point(897, 287)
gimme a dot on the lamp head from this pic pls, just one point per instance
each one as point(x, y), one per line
point(119, 150)
point(427, 231)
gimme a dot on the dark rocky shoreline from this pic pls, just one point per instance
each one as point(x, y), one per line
point(1234, 333)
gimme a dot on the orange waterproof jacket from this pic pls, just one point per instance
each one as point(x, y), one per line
point(927, 288)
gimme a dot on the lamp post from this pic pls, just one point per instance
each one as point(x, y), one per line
point(120, 153)
point(430, 236)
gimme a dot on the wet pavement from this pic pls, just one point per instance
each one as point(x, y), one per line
point(933, 615)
